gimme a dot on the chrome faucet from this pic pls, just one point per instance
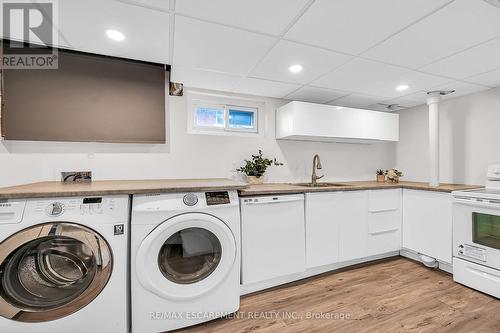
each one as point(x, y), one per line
point(316, 165)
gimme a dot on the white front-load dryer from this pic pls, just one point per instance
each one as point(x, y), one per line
point(63, 265)
point(185, 259)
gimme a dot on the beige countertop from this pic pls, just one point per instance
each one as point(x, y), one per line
point(269, 189)
point(115, 187)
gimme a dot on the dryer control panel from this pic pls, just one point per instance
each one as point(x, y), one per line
point(217, 198)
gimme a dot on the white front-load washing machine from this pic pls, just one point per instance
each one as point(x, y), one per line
point(185, 259)
point(63, 265)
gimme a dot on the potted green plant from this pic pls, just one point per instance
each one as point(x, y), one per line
point(255, 168)
point(393, 175)
point(380, 176)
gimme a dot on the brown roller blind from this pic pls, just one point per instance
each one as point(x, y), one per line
point(89, 98)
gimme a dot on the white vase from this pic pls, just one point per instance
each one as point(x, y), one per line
point(253, 180)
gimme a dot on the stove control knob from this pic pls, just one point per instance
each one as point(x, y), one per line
point(461, 252)
point(461, 246)
point(55, 209)
point(190, 199)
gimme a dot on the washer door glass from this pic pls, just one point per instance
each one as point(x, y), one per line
point(51, 270)
point(189, 255)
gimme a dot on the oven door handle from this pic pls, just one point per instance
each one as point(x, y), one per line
point(483, 274)
point(474, 203)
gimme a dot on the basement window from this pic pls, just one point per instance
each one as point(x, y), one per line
point(225, 118)
point(206, 117)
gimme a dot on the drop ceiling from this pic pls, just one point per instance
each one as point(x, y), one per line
point(353, 52)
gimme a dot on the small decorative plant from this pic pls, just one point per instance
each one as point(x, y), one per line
point(255, 168)
point(393, 175)
point(380, 176)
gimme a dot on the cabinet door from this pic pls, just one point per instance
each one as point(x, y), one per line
point(427, 226)
point(351, 213)
point(384, 221)
point(336, 227)
point(322, 234)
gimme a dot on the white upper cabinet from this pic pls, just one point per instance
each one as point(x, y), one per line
point(318, 122)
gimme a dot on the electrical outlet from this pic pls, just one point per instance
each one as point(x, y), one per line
point(76, 176)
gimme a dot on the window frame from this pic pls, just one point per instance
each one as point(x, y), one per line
point(251, 109)
point(196, 100)
point(197, 105)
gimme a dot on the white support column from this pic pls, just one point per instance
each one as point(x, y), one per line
point(433, 101)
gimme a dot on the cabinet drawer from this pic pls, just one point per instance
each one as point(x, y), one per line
point(384, 200)
point(383, 242)
point(384, 221)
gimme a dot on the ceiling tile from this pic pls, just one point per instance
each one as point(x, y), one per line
point(136, 23)
point(267, 88)
point(383, 107)
point(479, 59)
point(376, 79)
point(353, 26)
point(161, 5)
point(204, 79)
point(409, 101)
point(420, 97)
point(490, 79)
point(461, 89)
point(315, 95)
point(315, 62)
point(356, 101)
point(260, 15)
point(458, 26)
point(203, 45)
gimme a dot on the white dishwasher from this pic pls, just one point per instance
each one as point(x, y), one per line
point(272, 236)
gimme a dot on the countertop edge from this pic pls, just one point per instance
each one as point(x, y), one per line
point(255, 192)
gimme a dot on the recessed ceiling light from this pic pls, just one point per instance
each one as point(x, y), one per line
point(339, 107)
point(115, 35)
point(295, 68)
point(402, 87)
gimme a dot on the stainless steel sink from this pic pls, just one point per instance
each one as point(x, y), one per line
point(322, 185)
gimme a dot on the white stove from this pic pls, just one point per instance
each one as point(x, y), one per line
point(476, 235)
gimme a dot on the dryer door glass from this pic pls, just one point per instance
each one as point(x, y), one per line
point(189, 255)
point(51, 270)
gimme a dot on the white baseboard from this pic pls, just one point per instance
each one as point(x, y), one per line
point(258, 286)
point(444, 266)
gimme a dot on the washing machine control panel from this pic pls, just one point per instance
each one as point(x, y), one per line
point(81, 206)
point(217, 198)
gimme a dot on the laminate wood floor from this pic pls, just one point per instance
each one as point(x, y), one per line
point(396, 295)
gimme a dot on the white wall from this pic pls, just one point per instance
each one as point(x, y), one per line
point(191, 156)
point(470, 134)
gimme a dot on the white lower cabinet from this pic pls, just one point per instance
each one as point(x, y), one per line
point(341, 227)
point(336, 228)
point(351, 209)
point(322, 229)
point(349, 225)
point(384, 221)
point(427, 223)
